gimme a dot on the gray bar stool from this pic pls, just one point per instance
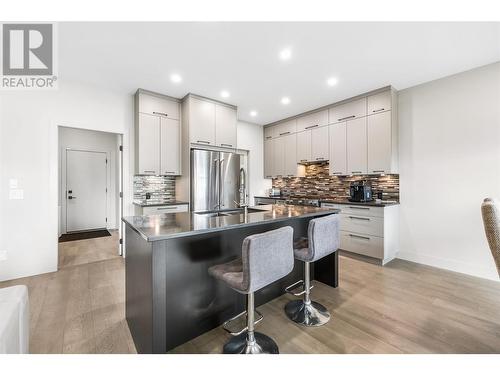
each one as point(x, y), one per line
point(323, 239)
point(265, 258)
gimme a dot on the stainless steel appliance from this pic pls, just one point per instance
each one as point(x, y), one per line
point(215, 180)
point(360, 191)
point(274, 192)
point(300, 201)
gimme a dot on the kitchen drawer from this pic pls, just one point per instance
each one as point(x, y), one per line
point(369, 225)
point(285, 128)
point(331, 205)
point(314, 120)
point(371, 246)
point(362, 210)
point(379, 102)
point(155, 105)
point(157, 210)
point(347, 111)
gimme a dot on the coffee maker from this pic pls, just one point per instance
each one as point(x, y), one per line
point(360, 191)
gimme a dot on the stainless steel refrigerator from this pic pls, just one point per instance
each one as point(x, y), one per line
point(216, 181)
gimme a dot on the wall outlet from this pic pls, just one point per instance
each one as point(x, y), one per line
point(3, 255)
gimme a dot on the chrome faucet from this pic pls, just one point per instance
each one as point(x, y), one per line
point(242, 205)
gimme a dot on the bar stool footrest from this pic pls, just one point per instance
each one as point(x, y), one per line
point(289, 289)
point(259, 317)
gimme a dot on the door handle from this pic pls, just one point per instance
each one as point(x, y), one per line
point(71, 197)
point(160, 113)
point(346, 118)
point(221, 185)
point(378, 110)
point(362, 237)
point(359, 218)
point(312, 126)
point(205, 142)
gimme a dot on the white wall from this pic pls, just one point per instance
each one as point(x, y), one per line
point(251, 138)
point(29, 152)
point(449, 147)
point(90, 140)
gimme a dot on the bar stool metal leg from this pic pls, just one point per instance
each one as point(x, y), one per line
point(306, 312)
point(251, 342)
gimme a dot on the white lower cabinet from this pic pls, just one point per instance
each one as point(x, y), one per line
point(368, 230)
point(157, 210)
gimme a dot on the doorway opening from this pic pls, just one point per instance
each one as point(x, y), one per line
point(90, 198)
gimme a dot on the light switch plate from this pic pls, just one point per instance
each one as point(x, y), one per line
point(16, 194)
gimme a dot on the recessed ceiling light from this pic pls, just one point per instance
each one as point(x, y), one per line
point(285, 54)
point(224, 94)
point(253, 113)
point(176, 78)
point(332, 81)
point(285, 100)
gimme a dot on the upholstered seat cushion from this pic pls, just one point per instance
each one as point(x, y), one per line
point(491, 218)
point(323, 239)
point(231, 273)
point(265, 258)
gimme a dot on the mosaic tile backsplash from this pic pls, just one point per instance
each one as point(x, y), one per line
point(317, 183)
point(161, 188)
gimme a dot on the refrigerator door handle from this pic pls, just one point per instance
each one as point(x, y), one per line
point(221, 184)
point(216, 193)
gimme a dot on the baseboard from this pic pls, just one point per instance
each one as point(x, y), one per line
point(450, 265)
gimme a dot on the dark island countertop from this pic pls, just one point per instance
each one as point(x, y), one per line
point(182, 224)
point(154, 203)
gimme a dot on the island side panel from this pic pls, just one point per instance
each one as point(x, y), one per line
point(326, 270)
point(138, 289)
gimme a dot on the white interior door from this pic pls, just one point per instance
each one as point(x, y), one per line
point(86, 195)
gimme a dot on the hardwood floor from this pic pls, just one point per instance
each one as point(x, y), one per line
point(400, 308)
point(73, 253)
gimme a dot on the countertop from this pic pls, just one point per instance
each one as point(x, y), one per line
point(182, 224)
point(153, 203)
point(335, 200)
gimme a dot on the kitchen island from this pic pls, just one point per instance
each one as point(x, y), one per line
point(171, 298)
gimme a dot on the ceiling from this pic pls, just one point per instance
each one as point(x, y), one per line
point(243, 58)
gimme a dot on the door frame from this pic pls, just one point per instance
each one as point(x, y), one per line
point(125, 205)
point(64, 182)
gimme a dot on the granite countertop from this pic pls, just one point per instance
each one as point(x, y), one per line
point(335, 200)
point(153, 203)
point(182, 224)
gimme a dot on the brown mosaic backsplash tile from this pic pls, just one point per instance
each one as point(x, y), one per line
point(319, 184)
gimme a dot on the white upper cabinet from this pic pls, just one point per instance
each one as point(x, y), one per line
point(379, 143)
point(225, 126)
point(285, 128)
point(279, 156)
point(304, 142)
point(268, 158)
point(170, 151)
point(290, 145)
point(313, 120)
point(347, 111)
point(269, 132)
point(319, 144)
point(201, 121)
point(357, 146)
point(148, 144)
point(379, 102)
point(338, 149)
point(156, 105)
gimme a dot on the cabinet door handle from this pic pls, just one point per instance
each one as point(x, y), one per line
point(346, 118)
point(206, 142)
point(160, 113)
point(356, 172)
point(312, 126)
point(149, 172)
point(359, 208)
point(359, 218)
point(379, 171)
point(378, 110)
point(269, 137)
point(167, 172)
point(320, 158)
point(284, 133)
point(166, 208)
point(337, 172)
point(302, 160)
point(362, 237)
point(226, 144)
